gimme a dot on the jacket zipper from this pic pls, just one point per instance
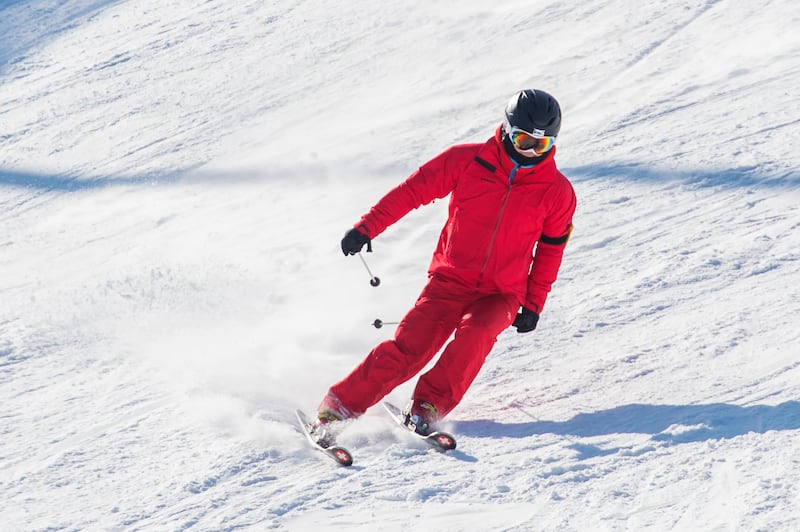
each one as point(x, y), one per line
point(497, 226)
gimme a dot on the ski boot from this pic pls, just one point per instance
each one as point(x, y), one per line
point(331, 416)
point(422, 417)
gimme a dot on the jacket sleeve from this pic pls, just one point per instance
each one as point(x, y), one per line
point(550, 248)
point(435, 179)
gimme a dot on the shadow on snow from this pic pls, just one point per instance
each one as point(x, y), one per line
point(189, 176)
point(741, 177)
point(730, 178)
point(63, 183)
point(672, 424)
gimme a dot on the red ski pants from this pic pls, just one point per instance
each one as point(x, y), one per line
point(443, 306)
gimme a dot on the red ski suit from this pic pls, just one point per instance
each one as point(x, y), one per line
point(500, 248)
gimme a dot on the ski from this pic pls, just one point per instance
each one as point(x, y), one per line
point(441, 441)
point(338, 454)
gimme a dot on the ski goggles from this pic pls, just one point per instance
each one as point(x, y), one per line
point(528, 143)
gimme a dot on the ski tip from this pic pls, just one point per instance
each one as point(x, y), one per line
point(341, 455)
point(443, 440)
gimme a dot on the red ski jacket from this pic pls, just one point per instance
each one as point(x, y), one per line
point(507, 225)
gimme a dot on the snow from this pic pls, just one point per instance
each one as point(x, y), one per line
point(175, 178)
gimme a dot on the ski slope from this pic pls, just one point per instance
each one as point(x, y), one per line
point(175, 177)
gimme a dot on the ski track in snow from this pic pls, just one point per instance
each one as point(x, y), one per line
point(174, 181)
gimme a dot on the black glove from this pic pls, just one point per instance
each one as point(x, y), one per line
point(353, 241)
point(526, 320)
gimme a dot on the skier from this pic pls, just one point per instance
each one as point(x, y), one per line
point(510, 216)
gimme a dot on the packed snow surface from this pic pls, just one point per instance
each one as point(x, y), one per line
point(175, 177)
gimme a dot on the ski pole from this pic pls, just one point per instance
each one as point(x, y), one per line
point(379, 323)
point(374, 281)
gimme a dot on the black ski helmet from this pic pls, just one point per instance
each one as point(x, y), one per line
point(534, 111)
